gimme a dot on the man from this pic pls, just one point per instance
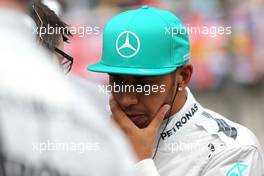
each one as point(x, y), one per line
point(148, 49)
point(53, 41)
point(47, 128)
point(51, 32)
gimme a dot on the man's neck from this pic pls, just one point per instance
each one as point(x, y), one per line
point(179, 102)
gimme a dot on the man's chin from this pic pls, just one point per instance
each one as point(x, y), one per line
point(141, 125)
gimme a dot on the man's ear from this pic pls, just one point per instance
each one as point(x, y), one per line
point(185, 74)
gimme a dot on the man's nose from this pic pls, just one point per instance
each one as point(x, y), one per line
point(128, 99)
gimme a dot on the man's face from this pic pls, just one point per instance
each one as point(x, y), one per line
point(140, 104)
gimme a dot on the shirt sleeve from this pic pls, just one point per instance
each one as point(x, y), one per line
point(247, 160)
point(146, 168)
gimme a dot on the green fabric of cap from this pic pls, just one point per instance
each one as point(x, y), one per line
point(145, 41)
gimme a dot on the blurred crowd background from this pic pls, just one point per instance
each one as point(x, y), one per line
point(228, 68)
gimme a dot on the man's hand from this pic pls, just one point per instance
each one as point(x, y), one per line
point(142, 139)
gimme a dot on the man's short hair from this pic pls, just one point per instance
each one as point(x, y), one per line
point(43, 14)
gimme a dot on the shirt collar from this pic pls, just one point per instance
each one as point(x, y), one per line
point(187, 105)
point(184, 117)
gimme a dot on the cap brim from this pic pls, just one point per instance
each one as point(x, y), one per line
point(99, 67)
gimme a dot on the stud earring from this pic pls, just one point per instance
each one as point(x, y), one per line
point(180, 89)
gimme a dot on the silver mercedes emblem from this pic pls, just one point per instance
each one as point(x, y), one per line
point(121, 45)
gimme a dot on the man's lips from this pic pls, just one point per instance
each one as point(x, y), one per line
point(133, 115)
point(136, 117)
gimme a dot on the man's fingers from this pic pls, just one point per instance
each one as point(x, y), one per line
point(157, 120)
point(119, 116)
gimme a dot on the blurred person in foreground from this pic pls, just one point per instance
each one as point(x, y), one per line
point(146, 53)
point(46, 126)
point(52, 33)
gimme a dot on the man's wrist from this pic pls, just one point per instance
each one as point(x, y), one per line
point(143, 157)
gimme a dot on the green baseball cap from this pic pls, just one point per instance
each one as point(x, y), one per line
point(145, 41)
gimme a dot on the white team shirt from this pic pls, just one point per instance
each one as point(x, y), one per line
point(47, 127)
point(200, 142)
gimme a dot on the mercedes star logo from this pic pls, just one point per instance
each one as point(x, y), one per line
point(129, 42)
